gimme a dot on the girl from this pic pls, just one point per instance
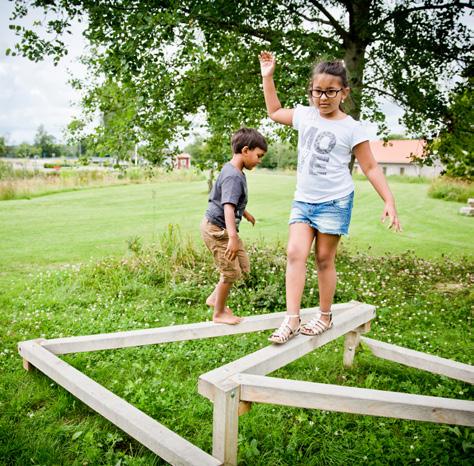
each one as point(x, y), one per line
point(324, 194)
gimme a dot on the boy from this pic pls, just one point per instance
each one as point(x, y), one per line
point(220, 226)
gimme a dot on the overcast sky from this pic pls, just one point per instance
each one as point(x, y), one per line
point(38, 93)
point(35, 93)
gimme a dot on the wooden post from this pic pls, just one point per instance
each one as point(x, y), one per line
point(351, 342)
point(226, 423)
point(244, 407)
point(27, 365)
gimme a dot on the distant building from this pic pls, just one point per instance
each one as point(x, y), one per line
point(182, 161)
point(395, 158)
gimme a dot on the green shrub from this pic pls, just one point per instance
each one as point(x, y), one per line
point(135, 174)
point(280, 156)
point(451, 189)
point(6, 170)
point(57, 165)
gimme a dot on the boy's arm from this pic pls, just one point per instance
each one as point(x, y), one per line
point(376, 177)
point(274, 109)
point(249, 217)
point(233, 244)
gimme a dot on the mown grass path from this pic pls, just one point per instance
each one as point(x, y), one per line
point(72, 227)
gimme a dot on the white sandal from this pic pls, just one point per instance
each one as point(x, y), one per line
point(285, 332)
point(316, 326)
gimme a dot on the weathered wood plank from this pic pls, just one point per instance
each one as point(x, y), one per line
point(469, 211)
point(354, 400)
point(159, 439)
point(408, 357)
point(273, 357)
point(152, 336)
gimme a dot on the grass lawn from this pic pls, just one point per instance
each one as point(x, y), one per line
point(424, 302)
point(72, 227)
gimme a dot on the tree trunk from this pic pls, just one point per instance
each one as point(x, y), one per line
point(355, 45)
point(354, 59)
point(210, 180)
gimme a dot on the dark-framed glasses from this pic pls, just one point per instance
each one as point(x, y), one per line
point(330, 93)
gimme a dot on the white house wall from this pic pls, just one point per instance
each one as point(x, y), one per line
point(406, 170)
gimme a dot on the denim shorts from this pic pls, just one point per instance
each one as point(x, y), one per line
point(331, 217)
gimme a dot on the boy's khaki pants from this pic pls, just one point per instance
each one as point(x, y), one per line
point(216, 240)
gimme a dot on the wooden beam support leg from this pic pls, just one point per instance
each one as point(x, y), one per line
point(244, 407)
point(364, 328)
point(27, 365)
point(352, 341)
point(226, 424)
point(350, 344)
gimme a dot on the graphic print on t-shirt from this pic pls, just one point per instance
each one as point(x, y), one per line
point(316, 145)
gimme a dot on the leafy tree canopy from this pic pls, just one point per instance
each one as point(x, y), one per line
point(45, 143)
point(3, 147)
point(454, 147)
point(25, 150)
point(167, 61)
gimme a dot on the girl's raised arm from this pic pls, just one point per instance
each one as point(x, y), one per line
point(274, 109)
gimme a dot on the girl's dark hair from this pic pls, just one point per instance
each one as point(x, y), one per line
point(247, 137)
point(334, 68)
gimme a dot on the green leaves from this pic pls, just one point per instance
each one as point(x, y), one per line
point(177, 59)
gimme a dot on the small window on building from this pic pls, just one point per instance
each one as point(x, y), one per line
point(384, 170)
point(402, 171)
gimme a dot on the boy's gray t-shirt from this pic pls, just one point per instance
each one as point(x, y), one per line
point(229, 188)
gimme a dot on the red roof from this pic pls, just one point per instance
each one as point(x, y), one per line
point(397, 151)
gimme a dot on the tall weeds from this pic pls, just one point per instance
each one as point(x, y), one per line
point(24, 184)
point(451, 189)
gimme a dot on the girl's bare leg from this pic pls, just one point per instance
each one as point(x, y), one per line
point(300, 239)
point(325, 251)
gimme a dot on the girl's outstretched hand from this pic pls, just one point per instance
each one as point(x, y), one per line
point(390, 212)
point(267, 63)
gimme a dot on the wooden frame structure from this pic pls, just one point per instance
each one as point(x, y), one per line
point(234, 386)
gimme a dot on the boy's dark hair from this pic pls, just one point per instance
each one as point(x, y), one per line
point(247, 137)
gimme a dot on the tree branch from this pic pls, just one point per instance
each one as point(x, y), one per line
point(261, 33)
point(294, 10)
point(264, 34)
point(386, 93)
point(334, 23)
point(425, 7)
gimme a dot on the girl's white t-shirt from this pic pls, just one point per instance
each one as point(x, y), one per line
point(324, 153)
